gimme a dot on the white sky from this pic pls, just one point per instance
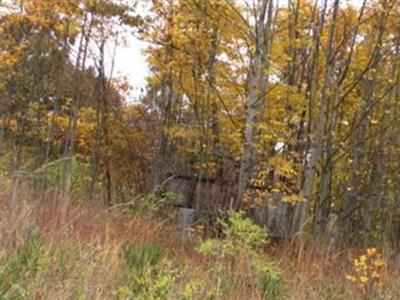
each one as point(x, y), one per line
point(131, 63)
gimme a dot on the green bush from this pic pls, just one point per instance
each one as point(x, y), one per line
point(270, 280)
point(245, 239)
point(151, 284)
point(149, 273)
point(241, 236)
point(155, 203)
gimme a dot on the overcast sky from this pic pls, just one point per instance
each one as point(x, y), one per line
point(131, 63)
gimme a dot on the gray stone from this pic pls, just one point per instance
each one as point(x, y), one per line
point(186, 218)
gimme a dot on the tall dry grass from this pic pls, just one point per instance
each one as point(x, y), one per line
point(84, 258)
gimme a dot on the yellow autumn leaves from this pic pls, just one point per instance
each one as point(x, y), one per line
point(367, 271)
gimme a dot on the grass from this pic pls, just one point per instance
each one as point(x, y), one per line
point(103, 254)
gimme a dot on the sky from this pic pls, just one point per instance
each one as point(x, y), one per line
point(131, 63)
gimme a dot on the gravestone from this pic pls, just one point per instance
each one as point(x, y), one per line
point(187, 218)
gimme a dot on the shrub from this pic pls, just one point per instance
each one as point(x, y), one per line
point(242, 239)
point(151, 284)
point(149, 273)
point(367, 273)
point(155, 203)
point(241, 236)
point(270, 280)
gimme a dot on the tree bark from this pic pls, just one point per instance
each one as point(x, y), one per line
point(317, 142)
point(256, 92)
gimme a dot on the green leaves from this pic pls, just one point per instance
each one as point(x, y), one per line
point(240, 236)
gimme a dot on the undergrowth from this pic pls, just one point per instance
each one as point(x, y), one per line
point(110, 254)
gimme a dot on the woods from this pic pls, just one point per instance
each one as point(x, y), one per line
point(285, 111)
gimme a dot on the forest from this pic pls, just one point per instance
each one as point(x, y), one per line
point(259, 162)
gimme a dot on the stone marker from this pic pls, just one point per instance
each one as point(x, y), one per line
point(186, 218)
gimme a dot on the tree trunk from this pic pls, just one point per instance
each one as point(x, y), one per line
point(256, 91)
point(317, 142)
point(352, 203)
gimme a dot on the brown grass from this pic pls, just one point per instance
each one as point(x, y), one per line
point(96, 236)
